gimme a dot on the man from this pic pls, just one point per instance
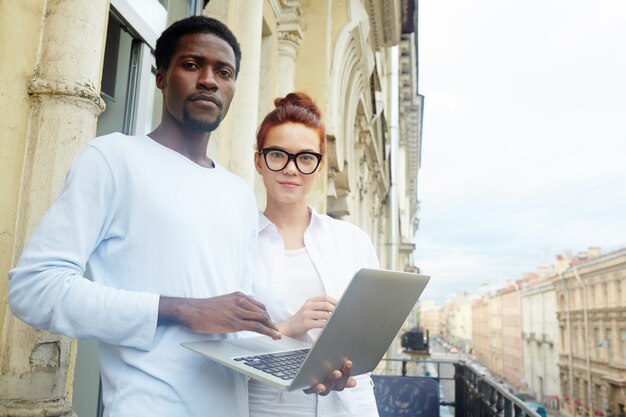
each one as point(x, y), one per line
point(170, 237)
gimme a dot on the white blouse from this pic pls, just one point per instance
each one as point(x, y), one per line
point(337, 250)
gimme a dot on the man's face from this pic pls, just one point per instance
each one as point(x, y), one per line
point(199, 83)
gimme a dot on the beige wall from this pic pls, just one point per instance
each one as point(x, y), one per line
point(311, 70)
point(52, 100)
point(594, 322)
point(14, 76)
point(495, 334)
point(429, 317)
point(481, 330)
point(458, 318)
point(512, 345)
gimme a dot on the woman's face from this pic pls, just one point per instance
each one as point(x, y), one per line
point(288, 185)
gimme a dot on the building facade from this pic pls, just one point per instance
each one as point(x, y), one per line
point(512, 345)
point(481, 330)
point(457, 321)
point(430, 317)
point(87, 68)
point(540, 334)
point(487, 332)
point(591, 311)
point(495, 363)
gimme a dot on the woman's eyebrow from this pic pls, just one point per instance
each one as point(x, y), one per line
point(301, 150)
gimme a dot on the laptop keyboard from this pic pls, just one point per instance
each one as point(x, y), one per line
point(283, 365)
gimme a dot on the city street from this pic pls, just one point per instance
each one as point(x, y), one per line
point(446, 373)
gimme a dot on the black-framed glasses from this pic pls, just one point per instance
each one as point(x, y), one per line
point(277, 159)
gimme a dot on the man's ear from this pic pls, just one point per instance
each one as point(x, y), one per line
point(258, 160)
point(160, 78)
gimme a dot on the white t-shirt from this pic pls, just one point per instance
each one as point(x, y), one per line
point(304, 281)
point(150, 222)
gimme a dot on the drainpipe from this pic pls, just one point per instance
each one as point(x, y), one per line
point(392, 199)
point(529, 343)
point(587, 336)
point(546, 378)
point(393, 156)
point(570, 359)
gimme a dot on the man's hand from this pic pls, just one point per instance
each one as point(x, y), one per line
point(223, 314)
point(335, 381)
point(313, 314)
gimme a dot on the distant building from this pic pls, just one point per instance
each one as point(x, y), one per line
point(496, 333)
point(540, 334)
point(558, 334)
point(512, 344)
point(456, 319)
point(591, 300)
point(481, 330)
point(429, 317)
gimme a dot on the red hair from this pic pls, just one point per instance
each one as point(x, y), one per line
point(293, 108)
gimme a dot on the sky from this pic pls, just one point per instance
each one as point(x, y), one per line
point(524, 137)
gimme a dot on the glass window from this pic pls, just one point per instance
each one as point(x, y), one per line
point(623, 345)
point(179, 9)
point(609, 344)
point(157, 105)
point(120, 58)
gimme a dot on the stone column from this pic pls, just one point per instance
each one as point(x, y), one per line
point(242, 120)
point(37, 367)
point(289, 36)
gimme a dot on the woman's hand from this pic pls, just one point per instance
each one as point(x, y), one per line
point(312, 315)
point(337, 380)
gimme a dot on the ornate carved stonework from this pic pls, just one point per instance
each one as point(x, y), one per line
point(48, 408)
point(288, 43)
point(85, 93)
point(293, 36)
point(384, 16)
point(290, 28)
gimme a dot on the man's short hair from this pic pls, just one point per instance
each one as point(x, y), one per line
point(168, 41)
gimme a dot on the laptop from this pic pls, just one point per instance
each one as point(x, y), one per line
point(365, 321)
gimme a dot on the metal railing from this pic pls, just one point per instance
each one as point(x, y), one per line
point(465, 390)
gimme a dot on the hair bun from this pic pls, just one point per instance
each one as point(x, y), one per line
point(299, 99)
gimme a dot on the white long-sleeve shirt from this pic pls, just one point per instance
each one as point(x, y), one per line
point(149, 222)
point(338, 250)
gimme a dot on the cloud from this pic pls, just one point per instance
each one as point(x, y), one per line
point(524, 137)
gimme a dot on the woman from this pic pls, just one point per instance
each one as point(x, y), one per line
point(306, 260)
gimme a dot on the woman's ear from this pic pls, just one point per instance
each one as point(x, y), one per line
point(258, 160)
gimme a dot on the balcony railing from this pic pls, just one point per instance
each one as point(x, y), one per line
point(465, 390)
